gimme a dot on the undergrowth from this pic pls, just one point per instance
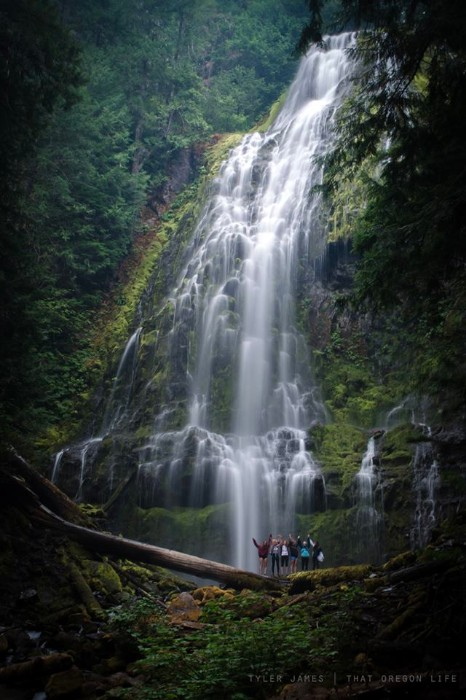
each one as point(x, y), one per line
point(239, 643)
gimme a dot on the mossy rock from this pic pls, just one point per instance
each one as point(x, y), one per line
point(206, 593)
point(397, 531)
point(310, 580)
point(397, 445)
point(103, 578)
point(339, 449)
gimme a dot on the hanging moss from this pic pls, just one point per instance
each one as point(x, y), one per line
point(218, 152)
point(398, 445)
point(222, 397)
point(339, 448)
point(335, 531)
point(264, 125)
point(197, 530)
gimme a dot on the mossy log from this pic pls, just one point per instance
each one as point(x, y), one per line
point(392, 630)
point(38, 666)
point(414, 573)
point(123, 548)
point(83, 590)
point(48, 494)
point(309, 580)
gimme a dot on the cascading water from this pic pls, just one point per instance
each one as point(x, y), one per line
point(234, 343)
point(116, 412)
point(368, 517)
point(426, 480)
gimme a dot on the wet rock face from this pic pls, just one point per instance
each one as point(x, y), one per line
point(323, 287)
point(181, 172)
point(449, 447)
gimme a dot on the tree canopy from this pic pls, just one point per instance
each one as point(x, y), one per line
point(406, 117)
point(99, 100)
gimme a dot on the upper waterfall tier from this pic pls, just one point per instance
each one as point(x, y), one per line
point(235, 299)
point(251, 393)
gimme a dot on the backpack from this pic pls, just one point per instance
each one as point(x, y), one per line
point(304, 552)
point(320, 556)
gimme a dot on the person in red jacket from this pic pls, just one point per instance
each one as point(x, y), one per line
point(263, 551)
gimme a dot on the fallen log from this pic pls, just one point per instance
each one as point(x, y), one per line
point(39, 497)
point(50, 507)
point(84, 592)
point(49, 494)
point(106, 543)
point(413, 573)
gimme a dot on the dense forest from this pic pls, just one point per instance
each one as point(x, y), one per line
point(117, 117)
point(99, 103)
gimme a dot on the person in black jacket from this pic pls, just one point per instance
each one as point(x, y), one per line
point(316, 554)
point(294, 553)
point(275, 553)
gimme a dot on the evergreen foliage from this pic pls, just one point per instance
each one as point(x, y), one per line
point(407, 117)
point(99, 102)
point(39, 73)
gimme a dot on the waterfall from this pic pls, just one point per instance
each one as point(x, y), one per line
point(116, 411)
point(220, 421)
point(368, 517)
point(403, 412)
point(234, 347)
point(122, 387)
point(426, 480)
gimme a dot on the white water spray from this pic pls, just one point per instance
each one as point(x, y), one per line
point(426, 480)
point(252, 393)
point(369, 517)
point(115, 413)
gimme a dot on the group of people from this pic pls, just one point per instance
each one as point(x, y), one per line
point(284, 554)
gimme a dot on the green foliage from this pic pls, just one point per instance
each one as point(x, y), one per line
point(182, 528)
point(339, 448)
point(406, 116)
point(240, 639)
point(39, 69)
point(79, 162)
point(191, 68)
point(40, 72)
point(352, 389)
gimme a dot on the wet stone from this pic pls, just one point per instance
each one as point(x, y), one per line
point(183, 608)
point(65, 683)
